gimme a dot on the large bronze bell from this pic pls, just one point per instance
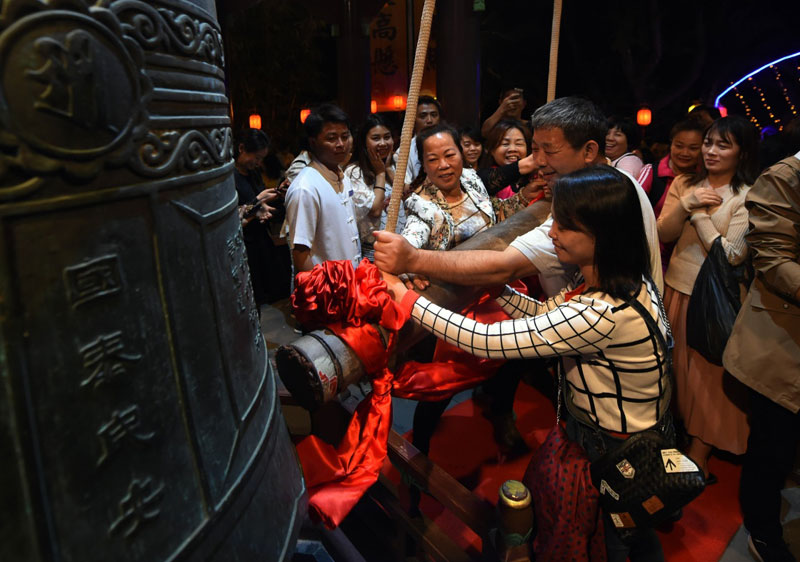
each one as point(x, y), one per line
point(139, 417)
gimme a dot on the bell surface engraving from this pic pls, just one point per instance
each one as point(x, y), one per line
point(139, 414)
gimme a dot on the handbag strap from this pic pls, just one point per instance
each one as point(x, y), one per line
point(561, 375)
point(666, 344)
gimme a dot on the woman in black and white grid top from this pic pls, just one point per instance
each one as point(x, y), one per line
point(617, 379)
point(614, 369)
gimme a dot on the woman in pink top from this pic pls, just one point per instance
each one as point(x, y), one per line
point(685, 141)
point(699, 209)
point(622, 139)
point(686, 138)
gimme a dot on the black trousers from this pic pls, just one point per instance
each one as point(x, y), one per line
point(771, 449)
point(502, 388)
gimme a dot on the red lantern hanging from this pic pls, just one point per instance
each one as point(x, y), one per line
point(644, 117)
point(304, 113)
point(255, 121)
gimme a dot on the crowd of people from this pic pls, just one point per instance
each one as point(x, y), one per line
point(613, 268)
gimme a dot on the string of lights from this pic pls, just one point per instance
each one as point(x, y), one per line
point(784, 91)
point(758, 84)
point(747, 111)
point(760, 93)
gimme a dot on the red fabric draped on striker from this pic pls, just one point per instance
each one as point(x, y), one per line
point(348, 302)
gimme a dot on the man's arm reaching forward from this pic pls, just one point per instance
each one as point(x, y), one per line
point(469, 267)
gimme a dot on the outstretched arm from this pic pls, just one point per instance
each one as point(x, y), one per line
point(508, 107)
point(578, 327)
point(517, 305)
point(470, 267)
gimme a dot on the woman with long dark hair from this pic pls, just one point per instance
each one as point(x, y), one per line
point(263, 257)
point(371, 176)
point(700, 208)
point(685, 144)
point(471, 146)
point(615, 371)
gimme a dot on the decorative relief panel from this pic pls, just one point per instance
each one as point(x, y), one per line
point(168, 152)
point(160, 29)
point(73, 91)
point(240, 275)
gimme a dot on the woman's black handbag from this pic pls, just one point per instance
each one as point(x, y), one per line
point(714, 303)
point(645, 480)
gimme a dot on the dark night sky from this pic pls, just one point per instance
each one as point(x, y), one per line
point(676, 51)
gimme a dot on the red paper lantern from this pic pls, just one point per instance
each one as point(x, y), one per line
point(373, 106)
point(255, 121)
point(304, 113)
point(644, 117)
point(398, 102)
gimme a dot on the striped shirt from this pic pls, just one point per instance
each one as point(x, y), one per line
point(615, 370)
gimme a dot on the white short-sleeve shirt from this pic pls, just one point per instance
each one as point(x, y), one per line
point(321, 219)
point(537, 246)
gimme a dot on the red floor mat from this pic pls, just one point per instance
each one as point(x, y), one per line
point(464, 447)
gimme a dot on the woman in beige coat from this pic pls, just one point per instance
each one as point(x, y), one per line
point(698, 210)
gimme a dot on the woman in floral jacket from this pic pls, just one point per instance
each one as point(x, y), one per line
point(450, 203)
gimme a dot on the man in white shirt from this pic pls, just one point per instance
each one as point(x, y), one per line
point(320, 215)
point(429, 113)
point(570, 134)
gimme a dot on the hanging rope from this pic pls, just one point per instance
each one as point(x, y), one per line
point(554, 36)
point(411, 114)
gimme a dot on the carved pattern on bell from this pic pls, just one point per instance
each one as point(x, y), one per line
point(168, 31)
point(74, 93)
point(83, 77)
point(167, 152)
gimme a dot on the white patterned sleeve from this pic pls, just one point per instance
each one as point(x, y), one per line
point(517, 305)
point(363, 195)
point(577, 327)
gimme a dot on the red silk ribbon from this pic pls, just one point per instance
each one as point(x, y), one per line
point(348, 302)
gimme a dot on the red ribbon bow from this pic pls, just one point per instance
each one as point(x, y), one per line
point(349, 302)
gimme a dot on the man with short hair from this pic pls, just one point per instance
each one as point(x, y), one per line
point(429, 113)
point(320, 214)
point(570, 134)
